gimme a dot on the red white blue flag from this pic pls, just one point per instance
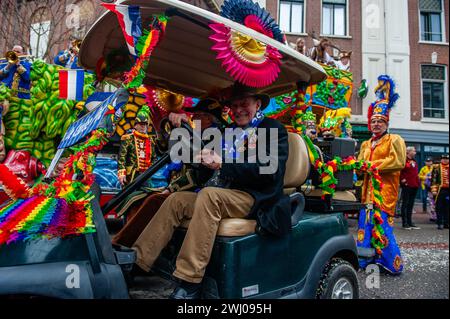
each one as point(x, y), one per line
point(71, 83)
point(130, 22)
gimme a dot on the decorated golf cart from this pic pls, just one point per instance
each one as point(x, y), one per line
point(57, 225)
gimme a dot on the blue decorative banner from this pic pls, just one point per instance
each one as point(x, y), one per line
point(91, 121)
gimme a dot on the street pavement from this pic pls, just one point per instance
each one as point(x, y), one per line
point(425, 276)
point(426, 264)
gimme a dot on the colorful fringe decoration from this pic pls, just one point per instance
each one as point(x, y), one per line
point(42, 217)
point(76, 179)
point(58, 209)
point(327, 173)
point(146, 43)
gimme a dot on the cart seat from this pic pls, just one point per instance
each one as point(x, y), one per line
point(297, 171)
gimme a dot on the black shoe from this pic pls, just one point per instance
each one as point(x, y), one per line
point(413, 226)
point(135, 271)
point(407, 227)
point(440, 227)
point(187, 290)
point(446, 226)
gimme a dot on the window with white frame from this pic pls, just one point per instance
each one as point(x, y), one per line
point(431, 20)
point(434, 92)
point(334, 17)
point(292, 16)
point(39, 36)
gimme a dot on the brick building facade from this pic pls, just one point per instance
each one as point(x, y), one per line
point(422, 55)
point(429, 74)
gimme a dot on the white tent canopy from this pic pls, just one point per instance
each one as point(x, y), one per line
point(183, 62)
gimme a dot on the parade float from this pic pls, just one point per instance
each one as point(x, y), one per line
point(327, 103)
point(182, 50)
point(34, 125)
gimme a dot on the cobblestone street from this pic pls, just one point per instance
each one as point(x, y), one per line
point(426, 257)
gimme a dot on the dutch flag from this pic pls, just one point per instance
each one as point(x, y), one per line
point(130, 22)
point(71, 84)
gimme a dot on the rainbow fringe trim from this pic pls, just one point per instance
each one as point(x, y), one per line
point(42, 217)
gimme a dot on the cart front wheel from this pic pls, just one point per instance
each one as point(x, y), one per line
point(338, 281)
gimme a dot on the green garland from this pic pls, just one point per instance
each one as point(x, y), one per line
point(327, 173)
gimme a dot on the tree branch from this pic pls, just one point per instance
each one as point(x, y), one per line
point(21, 20)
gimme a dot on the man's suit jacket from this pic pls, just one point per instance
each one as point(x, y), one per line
point(271, 208)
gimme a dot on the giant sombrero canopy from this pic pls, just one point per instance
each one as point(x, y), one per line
point(184, 61)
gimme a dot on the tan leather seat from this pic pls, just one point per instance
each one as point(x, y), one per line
point(298, 164)
point(297, 171)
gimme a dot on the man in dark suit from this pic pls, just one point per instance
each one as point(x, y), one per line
point(248, 183)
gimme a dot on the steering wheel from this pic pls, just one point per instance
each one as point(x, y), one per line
point(192, 133)
point(167, 128)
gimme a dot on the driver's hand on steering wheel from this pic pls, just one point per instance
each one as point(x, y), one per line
point(177, 118)
point(209, 159)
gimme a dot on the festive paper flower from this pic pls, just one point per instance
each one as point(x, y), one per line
point(247, 12)
point(247, 60)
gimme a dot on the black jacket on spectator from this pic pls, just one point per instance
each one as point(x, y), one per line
point(272, 208)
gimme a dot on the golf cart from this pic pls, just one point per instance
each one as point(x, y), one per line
point(318, 259)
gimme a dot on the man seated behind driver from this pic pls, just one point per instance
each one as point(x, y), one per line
point(241, 192)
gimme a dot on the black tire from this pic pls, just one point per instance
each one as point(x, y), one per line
point(338, 273)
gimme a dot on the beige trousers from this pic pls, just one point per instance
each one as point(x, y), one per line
point(205, 209)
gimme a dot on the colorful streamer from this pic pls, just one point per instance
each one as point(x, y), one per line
point(147, 42)
point(327, 172)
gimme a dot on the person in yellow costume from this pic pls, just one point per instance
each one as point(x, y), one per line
point(388, 153)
